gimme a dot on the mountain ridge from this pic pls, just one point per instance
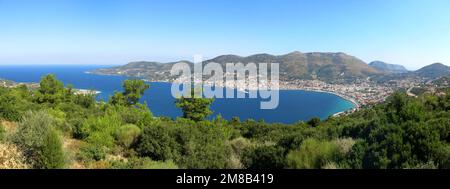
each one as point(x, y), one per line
point(333, 67)
point(386, 67)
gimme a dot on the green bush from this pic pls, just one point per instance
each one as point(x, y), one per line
point(127, 135)
point(313, 154)
point(156, 143)
point(32, 128)
point(37, 136)
point(51, 153)
point(108, 124)
point(264, 157)
point(138, 115)
point(92, 152)
point(12, 104)
point(98, 145)
point(2, 132)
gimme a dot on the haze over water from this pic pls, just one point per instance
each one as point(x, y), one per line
point(295, 105)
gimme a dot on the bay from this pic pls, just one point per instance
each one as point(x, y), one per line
point(294, 105)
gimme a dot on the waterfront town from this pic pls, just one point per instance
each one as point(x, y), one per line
point(360, 92)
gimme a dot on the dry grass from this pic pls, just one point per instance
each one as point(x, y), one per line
point(10, 127)
point(11, 157)
point(71, 147)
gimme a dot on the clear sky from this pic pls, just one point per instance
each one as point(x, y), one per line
point(409, 32)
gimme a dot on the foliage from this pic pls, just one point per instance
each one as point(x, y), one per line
point(157, 143)
point(143, 163)
point(314, 122)
point(312, 154)
point(50, 91)
point(2, 132)
point(194, 107)
point(52, 155)
point(133, 90)
point(264, 157)
point(127, 135)
point(36, 135)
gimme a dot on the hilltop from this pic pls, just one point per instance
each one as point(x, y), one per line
point(329, 67)
point(435, 70)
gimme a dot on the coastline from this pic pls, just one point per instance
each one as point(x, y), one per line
point(355, 107)
point(354, 101)
point(356, 104)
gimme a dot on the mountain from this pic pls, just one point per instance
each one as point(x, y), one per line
point(435, 70)
point(296, 65)
point(154, 71)
point(388, 68)
point(330, 67)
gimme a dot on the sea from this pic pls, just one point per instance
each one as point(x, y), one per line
point(294, 105)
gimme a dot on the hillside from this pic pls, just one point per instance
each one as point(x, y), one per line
point(435, 70)
point(388, 68)
point(330, 67)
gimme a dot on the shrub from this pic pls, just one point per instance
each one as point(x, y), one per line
point(30, 132)
point(312, 154)
point(264, 157)
point(139, 163)
point(95, 152)
point(107, 124)
point(156, 143)
point(37, 136)
point(203, 146)
point(147, 163)
point(51, 153)
point(239, 145)
point(345, 144)
point(138, 115)
point(127, 135)
point(98, 145)
point(2, 132)
point(10, 106)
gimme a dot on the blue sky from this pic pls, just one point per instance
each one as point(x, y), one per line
point(409, 32)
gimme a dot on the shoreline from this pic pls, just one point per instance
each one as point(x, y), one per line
point(353, 101)
point(345, 97)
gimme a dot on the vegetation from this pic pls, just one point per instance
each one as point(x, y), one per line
point(56, 128)
point(194, 107)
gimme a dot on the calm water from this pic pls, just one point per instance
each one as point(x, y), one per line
point(294, 105)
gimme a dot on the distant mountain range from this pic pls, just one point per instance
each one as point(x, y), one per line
point(328, 67)
point(387, 68)
point(433, 71)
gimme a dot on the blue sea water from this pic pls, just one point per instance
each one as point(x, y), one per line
point(294, 105)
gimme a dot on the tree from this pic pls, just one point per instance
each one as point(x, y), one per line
point(133, 90)
point(195, 107)
point(52, 155)
point(51, 90)
point(314, 122)
point(9, 106)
